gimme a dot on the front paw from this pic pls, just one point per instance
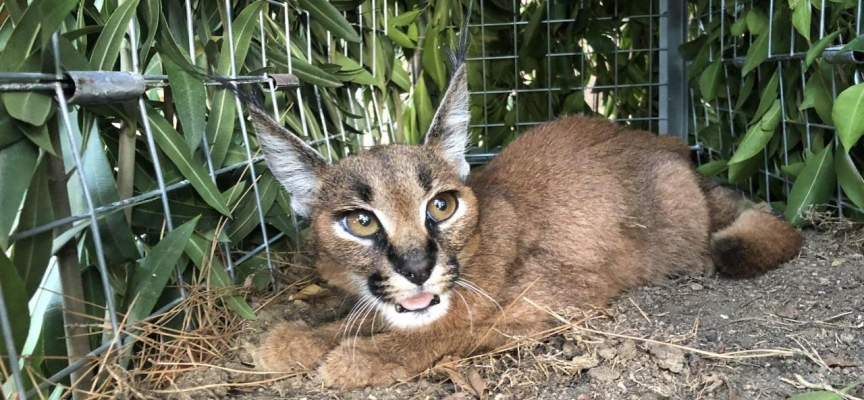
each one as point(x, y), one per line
point(352, 367)
point(291, 346)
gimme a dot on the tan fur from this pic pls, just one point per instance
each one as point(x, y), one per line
point(571, 213)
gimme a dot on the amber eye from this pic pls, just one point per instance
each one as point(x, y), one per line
point(360, 223)
point(442, 206)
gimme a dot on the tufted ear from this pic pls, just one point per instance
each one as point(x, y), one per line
point(449, 129)
point(296, 165)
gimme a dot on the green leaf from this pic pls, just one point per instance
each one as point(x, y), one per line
point(173, 145)
point(405, 18)
point(819, 47)
point(313, 75)
point(400, 38)
point(818, 93)
point(772, 117)
point(151, 10)
point(710, 80)
point(767, 97)
point(818, 395)
point(29, 255)
point(755, 139)
point(433, 63)
point(247, 214)
point(53, 339)
point(793, 169)
point(107, 47)
point(15, 296)
point(850, 178)
point(738, 27)
point(856, 44)
point(200, 250)
point(757, 53)
point(814, 186)
point(801, 17)
point(190, 99)
point(30, 107)
point(223, 111)
point(757, 21)
point(41, 18)
point(150, 278)
point(423, 103)
point(363, 77)
point(848, 114)
point(330, 18)
point(17, 163)
point(244, 26)
point(38, 134)
point(114, 229)
point(220, 125)
point(713, 168)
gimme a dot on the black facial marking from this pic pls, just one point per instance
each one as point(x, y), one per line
point(363, 191)
point(376, 284)
point(425, 177)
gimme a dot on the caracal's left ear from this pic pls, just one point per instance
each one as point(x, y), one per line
point(449, 129)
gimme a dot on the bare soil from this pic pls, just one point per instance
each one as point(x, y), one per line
point(659, 342)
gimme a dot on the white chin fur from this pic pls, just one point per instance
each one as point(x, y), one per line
point(409, 320)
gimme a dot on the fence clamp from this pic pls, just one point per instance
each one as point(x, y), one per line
point(284, 81)
point(104, 87)
point(832, 55)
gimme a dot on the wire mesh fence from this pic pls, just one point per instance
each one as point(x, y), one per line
point(168, 171)
point(778, 67)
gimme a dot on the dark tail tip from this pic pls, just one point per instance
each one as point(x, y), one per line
point(733, 259)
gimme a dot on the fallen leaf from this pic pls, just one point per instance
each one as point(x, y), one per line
point(447, 366)
point(477, 383)
point(838, 262)
point(833, 361)
point(306, 293)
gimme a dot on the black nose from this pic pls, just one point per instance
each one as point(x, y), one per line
point(416, 266)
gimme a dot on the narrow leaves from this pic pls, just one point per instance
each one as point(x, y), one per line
point(152, 275)
point(813, 187)
point(848, 114)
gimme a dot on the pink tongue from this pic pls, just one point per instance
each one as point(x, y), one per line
point(417, 302)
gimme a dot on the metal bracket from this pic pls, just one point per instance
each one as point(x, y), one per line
point(102, 87)
point(284, 81)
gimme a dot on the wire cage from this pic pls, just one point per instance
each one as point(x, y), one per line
point(781, 65)
point(161, 156)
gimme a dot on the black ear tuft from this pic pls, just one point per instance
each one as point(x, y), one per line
point(296, 165)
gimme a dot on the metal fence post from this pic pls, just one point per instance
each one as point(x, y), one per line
point(673, 72)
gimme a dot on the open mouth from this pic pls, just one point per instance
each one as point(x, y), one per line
point(417, 303)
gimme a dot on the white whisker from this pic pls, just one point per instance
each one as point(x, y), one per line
point(358, 308)
point(476, 289)
point(470, 314)
point(369, 307)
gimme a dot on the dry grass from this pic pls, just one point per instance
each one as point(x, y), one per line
point(849, 232)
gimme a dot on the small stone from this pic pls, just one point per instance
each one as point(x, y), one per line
point(569, 350)
point(788, 311)
point(668, 357)
point(838, 262)
point(847, 337)
point(695, 286)
point(627, 350)
point(604, 374)
point(586, 361)
point(607, 353)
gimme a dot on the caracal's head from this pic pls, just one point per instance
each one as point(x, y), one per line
point(387, 224)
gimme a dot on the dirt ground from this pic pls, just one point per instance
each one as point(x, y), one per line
point(659, 342)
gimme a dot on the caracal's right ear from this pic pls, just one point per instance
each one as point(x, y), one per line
point(296, 165)
point(449, 129)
